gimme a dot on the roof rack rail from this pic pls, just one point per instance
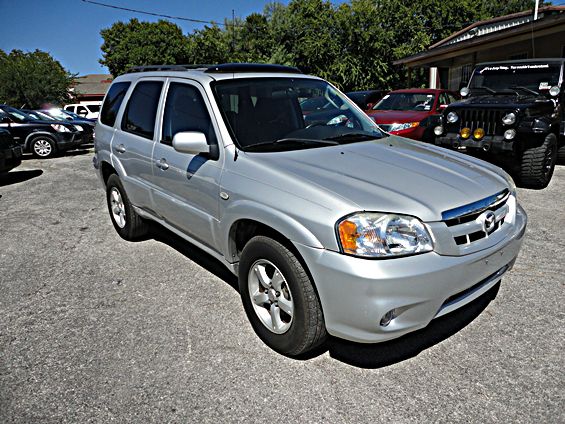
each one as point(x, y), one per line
point(152, 68)
point(252, 67)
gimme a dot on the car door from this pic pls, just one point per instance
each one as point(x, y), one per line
point(187, 186)
point(133, 142)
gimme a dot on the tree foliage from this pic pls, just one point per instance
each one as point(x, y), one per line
point(33, 78)
point(142, 43)
point(353, 44)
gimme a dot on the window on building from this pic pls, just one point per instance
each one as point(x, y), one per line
point(466, 72)
point(141, 110)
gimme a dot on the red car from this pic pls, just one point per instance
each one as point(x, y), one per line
point(411, 113)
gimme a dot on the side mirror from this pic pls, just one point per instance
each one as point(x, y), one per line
point(190, 142)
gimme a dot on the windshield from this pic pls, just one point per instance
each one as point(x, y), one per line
point(539, 77)
point(58, 114)
point(269, 111)
point(16, 114)
point(406, 101)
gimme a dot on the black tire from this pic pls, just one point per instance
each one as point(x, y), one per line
point(42, 147)
point(538, 163)
point(133, 226)
point(307, 329)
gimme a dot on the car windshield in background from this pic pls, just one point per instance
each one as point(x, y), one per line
point(266, 114)
point(539, 77)
point(58, 114)
point(18, 115)
point(406, 101)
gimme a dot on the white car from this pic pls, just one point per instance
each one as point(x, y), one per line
point(89, 110)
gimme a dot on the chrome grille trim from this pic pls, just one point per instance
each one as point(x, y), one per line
point(477, 207)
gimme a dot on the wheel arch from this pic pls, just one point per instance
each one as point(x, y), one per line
point(35, 134)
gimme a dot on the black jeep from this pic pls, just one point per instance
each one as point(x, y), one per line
point(511, 112)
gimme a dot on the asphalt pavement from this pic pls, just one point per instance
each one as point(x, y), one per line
point(97, 329)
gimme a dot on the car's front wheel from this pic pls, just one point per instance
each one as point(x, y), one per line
point(538, 164)
point(279, 298)
point(42, 147)
point(129, 225)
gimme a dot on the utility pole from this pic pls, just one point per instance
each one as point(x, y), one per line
point(233, 31)
point(536, 11)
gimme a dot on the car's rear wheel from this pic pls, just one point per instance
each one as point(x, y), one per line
point(538, 164)
point(129, 225)
point(42, 147)
point(279, 298)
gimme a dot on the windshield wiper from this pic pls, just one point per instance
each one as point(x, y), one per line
point(528, 90)
point(490, 90)
point(255, 146)
point(352, 137)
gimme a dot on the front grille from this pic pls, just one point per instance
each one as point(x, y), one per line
point(488, 120)
point(467, 223)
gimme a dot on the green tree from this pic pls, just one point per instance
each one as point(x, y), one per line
point(142, 43)
point(33, 78)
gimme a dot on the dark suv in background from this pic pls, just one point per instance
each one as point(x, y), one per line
point(42, 138)
point(511, 112)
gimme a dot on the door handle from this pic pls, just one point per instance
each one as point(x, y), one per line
point(120, 148)
point(162, 164)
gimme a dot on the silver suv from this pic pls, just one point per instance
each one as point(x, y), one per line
point(331, 225)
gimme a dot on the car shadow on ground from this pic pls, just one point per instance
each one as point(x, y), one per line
point(360, 355)
point(14, 177)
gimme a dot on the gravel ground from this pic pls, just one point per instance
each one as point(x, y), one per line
point(96, 329)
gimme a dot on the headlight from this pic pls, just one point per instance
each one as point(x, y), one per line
point(452, 117)
point(404, 126)
point(78, 127)
point(509, 118)
point(60, 128)
point(378, 235)
point(554, 91)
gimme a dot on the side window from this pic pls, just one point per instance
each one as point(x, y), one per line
point(185, 110)
point(112, 102)
point(141, 110)
point(81, 110)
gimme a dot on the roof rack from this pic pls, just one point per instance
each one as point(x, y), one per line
point(153, 68)
point(223, 68)
point(252, 67)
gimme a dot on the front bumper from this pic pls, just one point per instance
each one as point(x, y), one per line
point(493, 143)
point(356, 293)
point(66, 141)
point(10, 158)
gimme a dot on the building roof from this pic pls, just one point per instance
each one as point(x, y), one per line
point(492, 29)
point(92, 84)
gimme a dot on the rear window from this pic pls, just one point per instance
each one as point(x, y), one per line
point(141, 110)
point(112, 102)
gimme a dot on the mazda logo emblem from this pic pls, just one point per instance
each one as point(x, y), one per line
point(489, 221)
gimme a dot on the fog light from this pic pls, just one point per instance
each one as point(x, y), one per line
point(509, 134)
point(465, 132)
point(438, 130)
point(478, 133)
point(388, 317)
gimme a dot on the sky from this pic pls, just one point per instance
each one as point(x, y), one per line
point(69, 30)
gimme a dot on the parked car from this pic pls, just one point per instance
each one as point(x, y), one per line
point(42, 138)
point(512, 112)
point(10, 152)
point(86, 126)
point(411, 113)
point(366, 99)
point(336, 228)
point(88, 110)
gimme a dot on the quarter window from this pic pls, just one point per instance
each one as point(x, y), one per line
point(112, 102)
point(185, 110)
point(141, 110)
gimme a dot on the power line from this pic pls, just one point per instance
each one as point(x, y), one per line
point(180, 18)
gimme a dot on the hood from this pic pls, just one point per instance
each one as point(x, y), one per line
point(388, 175)
point(398, 116)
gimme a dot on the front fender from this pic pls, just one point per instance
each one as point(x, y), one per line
point(250, 210)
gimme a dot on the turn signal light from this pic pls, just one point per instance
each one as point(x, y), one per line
point(348, 235)
point(465, 132)
point(479, 133)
